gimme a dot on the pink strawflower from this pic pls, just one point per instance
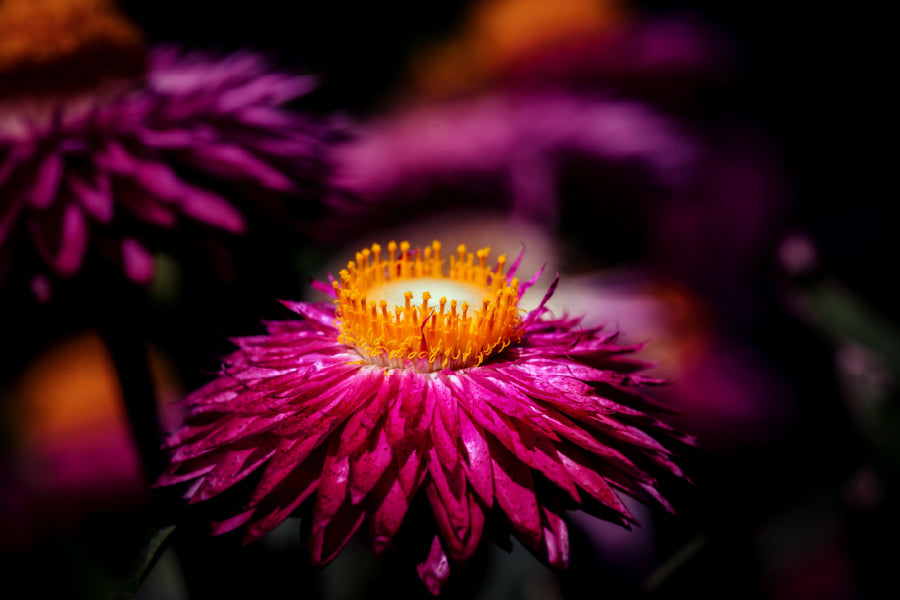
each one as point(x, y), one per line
point(121, 168)
point(355, 408)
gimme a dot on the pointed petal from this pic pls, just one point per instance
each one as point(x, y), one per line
point(97, 200)
point(478, 458)
point(282, 501)
point(211, 209)
point(556, 538)
point(368, 464)
point(435, 570)
point(47, 179)
point(514, 488)
point(137, 262)
point(233, 466)
point(60, 235)
point(233, 162)
point(332, 485)
point(326, 542)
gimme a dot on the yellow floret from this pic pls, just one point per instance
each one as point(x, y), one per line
point(424, 336)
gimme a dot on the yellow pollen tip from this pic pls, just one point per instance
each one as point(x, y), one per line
point(420, 336)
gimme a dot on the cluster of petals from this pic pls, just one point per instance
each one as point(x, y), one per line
point(297, 420)
point(119, 168)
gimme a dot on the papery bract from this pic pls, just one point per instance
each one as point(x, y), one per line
point(297, 415)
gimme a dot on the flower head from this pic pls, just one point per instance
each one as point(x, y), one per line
point(359, 405)
point(115, 165)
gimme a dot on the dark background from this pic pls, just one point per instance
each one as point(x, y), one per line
point(814, 77)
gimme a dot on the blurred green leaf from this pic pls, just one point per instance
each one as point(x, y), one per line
point(156, 545)
point(841, 315)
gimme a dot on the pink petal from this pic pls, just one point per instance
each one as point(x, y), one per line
point(232, 523)
point(233, 466)
point(391, 505)
point(46, 181)
point(478, 458)
point(326, 542)
point(579, 467)
point(514, 489)
point(461, 538)
point(403, 413)
point(143, 205)
point(556, 538)
point(159, 181)
point(137, 262)
point(368, 464)
point(290, 453)
point(332, 486)
point(280, 503)
point(233, 162)
point(364, 420)
point(96, 201)
point(448, 484)
point(60, 234)
point(211, 209)
point(445, 443)
point(435, 570)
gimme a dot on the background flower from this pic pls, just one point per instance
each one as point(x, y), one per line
point(164, 157)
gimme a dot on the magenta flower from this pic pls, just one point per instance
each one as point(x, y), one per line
point(354, 408)
point(111, 168)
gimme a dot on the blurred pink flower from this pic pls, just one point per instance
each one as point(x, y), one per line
point(724, 392)
point(622, 127)
point(188, 147)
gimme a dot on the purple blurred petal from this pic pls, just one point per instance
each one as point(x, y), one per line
point(48, 176)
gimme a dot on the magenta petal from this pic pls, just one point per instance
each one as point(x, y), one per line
point(232, 162)
point(556, 538)
point(231, 523)
point(231, 467)
point(61, 237)
point(326, 542)
point(281, 502)
point(364, 420)
point(143, 205)
point(367, 465)
point(137, 261)
point(178, 473)
point(409, 414)
point(579, 467)
point(409, 462)
point(48, 176)
point(435, 570)
point(445, 443)
point(212, 209)
point(388, 513)
point(290, 453)
point(449, 483)
point(478, 459)
point(323, 287)
point(96, 201)
point(318, 314)
point(332, 486)
point(514, 488)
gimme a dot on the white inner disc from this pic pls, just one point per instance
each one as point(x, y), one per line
point(392, 292)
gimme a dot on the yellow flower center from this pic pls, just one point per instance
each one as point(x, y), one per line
point(377, 314)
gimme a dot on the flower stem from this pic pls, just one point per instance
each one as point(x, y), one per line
point(155, 547)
